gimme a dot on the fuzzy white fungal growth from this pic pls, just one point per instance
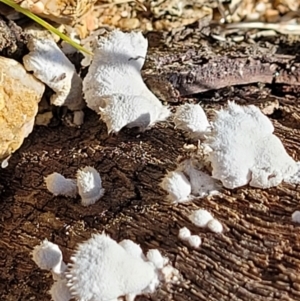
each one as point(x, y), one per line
point(57, 184)
point(192, 119)
point(48, 256)
point(52, 67)
point(245, 150)
point(178, 187)
point(184, 233)
point(194, 241)
point(156, 258)
point(200, 217)
point(89, 185)
point(114, 87)
point(215, 226)
point(102, 270)
point(296, 217)
point(295, 178)
point(202, 184)
point(59, 291)
point(122, 110)
point(132, 248)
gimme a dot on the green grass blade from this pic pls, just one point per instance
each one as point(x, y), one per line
point(45, 25)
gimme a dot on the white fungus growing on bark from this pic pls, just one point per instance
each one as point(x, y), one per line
point(178, 187)
point(202, 184)
point(296, 216)
point(194, 241)
point(200, 217)
point(57, 184)
point(89, 185)
point(101, 269)
point(215, 226)
point(244, 149)
point(114, 87)
point(154, 256)
point(48, 256)
point(59, 291)
point(52, 67)
point(184, 233)
point(122, 110)
point(132, 248)
point(192, 119)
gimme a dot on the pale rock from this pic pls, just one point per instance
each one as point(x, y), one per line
point(20, 94)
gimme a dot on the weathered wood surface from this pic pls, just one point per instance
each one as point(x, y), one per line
point(257, 257)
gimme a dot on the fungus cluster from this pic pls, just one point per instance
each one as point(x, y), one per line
point(102, 269)
point(187, 182)
point(193, 240)
point(242, 150)
point(203, 219)
point(88, 185)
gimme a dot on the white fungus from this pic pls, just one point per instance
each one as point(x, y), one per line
point(296, 217)
point(59, 291)
point(52, 67)
point(194, 241)
point(89, 185)
point(202, 184)
point(154, 256)
point(244, 149)
point(114, 87)
point(215, 226)
point(132, 248)
point(200, 217)
point(57, 184)
point(295, 178)
point(48, 256)
point(184, 233)
point(102, 270)
point(122, 110)
point(178, 187)
point(192, 119)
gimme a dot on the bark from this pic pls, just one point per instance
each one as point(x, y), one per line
point(256, 258)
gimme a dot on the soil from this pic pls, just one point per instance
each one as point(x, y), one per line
point(256, 258)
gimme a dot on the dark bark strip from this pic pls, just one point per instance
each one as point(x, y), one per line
point(191, 73)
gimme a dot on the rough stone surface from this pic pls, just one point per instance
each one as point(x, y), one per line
point(20, 94)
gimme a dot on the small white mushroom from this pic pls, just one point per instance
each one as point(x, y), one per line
point(48, 256)
point(194, 241)
point(200, 217)
point(215, 226)
point(89, 185)
point(192, 119)
point(184, 233)
point(103, 270)
point(52, 67)
point(244, 149)
point(57, 184)
point(296, 217)
point(59, 291)
point(178, 187)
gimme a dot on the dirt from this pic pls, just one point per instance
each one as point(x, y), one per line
point(256, 258)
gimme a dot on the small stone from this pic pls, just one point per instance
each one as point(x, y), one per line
point(20, 93)
point(132, 23)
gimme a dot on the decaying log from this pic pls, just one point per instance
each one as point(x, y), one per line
point(256, 258)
